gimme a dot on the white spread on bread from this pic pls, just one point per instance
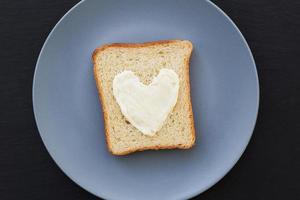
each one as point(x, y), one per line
point(146, 107)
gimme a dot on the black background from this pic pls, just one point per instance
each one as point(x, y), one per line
point(269, 168)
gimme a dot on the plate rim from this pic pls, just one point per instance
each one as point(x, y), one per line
point(187, 196)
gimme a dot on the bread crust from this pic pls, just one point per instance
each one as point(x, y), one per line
point(104, 104)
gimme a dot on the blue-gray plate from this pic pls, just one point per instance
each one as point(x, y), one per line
point(224, 87)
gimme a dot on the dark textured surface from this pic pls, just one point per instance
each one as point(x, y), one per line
point(269, 168)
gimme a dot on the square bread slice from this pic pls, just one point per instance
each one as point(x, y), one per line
point(145, 60)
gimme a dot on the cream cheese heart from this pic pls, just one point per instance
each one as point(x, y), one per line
point(146, 107)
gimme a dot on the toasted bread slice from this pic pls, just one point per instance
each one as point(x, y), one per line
point(145, 60)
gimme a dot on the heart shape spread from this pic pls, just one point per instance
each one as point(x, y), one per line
point(146, 107)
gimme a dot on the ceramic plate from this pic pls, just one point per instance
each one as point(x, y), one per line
point(224, 87)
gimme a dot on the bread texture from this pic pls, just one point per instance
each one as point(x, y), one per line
point(145, 60)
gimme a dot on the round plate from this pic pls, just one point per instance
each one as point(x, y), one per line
point(224, 86)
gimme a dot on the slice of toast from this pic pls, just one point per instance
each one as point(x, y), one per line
point(145, 60)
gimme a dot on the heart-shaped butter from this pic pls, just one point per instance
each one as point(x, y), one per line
point(146, 107)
